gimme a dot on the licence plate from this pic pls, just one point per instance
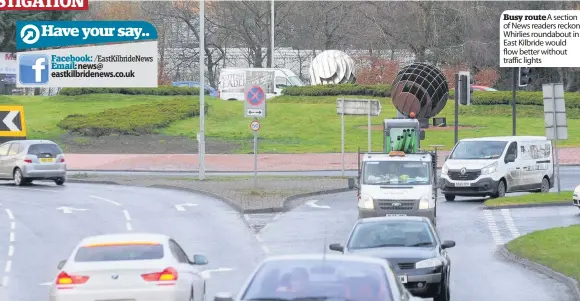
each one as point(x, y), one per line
point(47, 160)
point(395, 215)
point(403, 278)
point(462, 184)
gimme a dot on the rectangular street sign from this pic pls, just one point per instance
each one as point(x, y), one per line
point(255, 101)
point(255, 112)
point(555, 112)
point(358, 106)
point(12, 121)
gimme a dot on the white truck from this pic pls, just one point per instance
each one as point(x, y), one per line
point(233, 81)
point(402, 180)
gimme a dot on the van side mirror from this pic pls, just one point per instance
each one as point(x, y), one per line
point(510, 158)
point(336, 247)
point(61, 264)
point(353, 183)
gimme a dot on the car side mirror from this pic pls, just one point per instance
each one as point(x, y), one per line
point(61, 264)
point(336, 247)
point(510, 158)
point(223, 297)
point(199, 260)
point(448, 244)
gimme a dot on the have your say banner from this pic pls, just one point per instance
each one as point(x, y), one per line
point(106, 54)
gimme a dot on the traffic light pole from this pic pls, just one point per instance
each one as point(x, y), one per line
point(514, 88)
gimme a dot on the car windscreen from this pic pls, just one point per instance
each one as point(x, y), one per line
point(396, 173)
point(44, 149)
point(319, 279)
point(391, 234)
point(478, 150)
point(119, 252)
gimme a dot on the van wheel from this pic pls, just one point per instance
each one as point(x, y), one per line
point(501, 188)
point(450, 197)
point(545, 185)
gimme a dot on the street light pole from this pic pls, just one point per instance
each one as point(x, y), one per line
point(272, 30)
point(201, 138)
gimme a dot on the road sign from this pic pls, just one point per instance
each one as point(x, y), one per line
point(358, 107)
point(255, 125)
point(12, 122)
point(555, 112)
point(255, 101)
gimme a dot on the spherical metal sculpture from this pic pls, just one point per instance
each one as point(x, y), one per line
point(421, 90)
point(332, 67)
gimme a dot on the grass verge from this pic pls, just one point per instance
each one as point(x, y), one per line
point(530, 198)
point(556, 248)
point(294, 124)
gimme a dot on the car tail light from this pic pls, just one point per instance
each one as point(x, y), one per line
point(27, 161)
point(62, 160)
point(169, 274)
point(65, 279)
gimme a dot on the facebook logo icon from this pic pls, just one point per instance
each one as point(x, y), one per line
point(33, 69)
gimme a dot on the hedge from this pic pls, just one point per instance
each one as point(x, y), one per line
point(343, 89)
point(132, 120)
point(522, 98)
point(162, 91)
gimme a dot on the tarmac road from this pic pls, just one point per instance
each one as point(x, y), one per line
point(36, 236)
point(478, 272)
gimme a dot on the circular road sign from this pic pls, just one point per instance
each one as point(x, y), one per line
point(255, 125)
point(256, 96)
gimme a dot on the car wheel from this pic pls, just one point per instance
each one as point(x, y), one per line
point(450, 197)
point(445, 294)
point(59, 181)
point(545, 185)
point(19, 180)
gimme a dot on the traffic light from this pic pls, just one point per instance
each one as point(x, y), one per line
point(465, 88)
point(525, 76)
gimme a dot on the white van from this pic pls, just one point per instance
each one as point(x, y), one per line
point(233, 82)
point(493, 166)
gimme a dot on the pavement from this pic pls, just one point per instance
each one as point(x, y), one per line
point(45, 222)
point(240, 162)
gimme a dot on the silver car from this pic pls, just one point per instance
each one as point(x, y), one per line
point(24, 161)
point(322, 277)
point(129, 266)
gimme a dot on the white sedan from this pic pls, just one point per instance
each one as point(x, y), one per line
point(576, 196)
point(131, 266)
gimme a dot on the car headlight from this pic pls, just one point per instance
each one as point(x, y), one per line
point(489, 169)
point(426, 203)
point(366, 202)
point(444, 170)
point(428, 263)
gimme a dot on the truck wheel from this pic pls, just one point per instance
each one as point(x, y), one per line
point(450, 197)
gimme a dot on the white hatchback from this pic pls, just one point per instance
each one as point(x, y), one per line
point(131, 267)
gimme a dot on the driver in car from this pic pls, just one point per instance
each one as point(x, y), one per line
point(299, 283)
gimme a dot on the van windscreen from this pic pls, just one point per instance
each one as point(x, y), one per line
point(478, 150)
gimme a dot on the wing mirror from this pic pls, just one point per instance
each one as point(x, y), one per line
point(353, 183)
point(336, 247)
point(199, 260)
point(223, 297)
point(448, 244)
point(61, 264)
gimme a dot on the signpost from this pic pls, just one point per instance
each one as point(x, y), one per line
point(357, 107)
point(12, 123)
point(255, 107)
point(555, 119)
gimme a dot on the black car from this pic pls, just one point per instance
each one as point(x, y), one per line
point(412, 247)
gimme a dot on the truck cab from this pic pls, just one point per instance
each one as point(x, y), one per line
point(401, 180)
point(397, 184)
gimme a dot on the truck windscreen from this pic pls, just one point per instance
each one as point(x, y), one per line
point(396, 173)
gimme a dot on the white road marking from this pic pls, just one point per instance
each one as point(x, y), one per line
point(247, 218)
point(181, 207)
point(259, 239)
point(495, 234)
point(277, 216)
point(265, 249)
point(31, 189)
point(46, 283)
point(312, 204)
point(510, 223)
point(207, 273)
point(105, 200)
point(128, 218)
point(67, 210)
point(8, 266)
